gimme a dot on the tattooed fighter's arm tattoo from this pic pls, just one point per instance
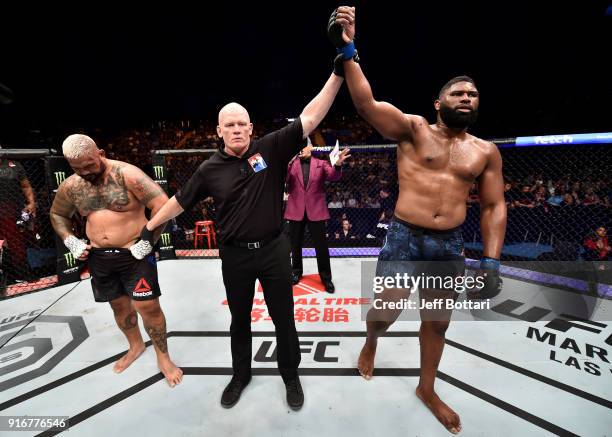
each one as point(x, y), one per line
point(62, 210)
point(148, 193)
point(144, 188)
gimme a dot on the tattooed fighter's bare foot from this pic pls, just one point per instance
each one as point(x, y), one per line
point(173, 374)
point(125, 361)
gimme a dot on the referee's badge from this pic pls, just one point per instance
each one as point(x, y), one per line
point(257, 162)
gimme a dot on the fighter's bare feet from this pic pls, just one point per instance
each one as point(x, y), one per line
point(443, 412)
point(173, 374)
point(131, 355)
point(366, 359)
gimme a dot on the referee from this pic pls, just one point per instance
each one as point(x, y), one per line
point(246, 180)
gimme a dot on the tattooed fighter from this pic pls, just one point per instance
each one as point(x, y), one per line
point(113, 196)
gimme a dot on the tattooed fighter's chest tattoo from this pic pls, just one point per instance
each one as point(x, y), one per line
point(111, 194)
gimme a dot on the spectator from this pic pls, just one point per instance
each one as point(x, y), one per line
point(371, 203)
point(539, 197)
point(382, 226)
point(17, 216)
point(590, 197)
point(346, 233)
point(351, 202)
point(510, 194)
point(525, 198)
point(386, 202)
point(575, 192)
point(555, 199)
point(597, 245)
point(335, 202)
point(568, 200)
point(473, 195)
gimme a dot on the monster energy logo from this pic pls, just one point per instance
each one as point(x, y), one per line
point(60, 176)
point(69, 259)
point(159, 171)
point(165, 239)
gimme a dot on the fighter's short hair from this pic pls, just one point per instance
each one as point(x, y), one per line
point(453, 81)
point(78, 145)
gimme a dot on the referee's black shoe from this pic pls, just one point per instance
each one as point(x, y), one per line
point(231, 394)
point(295, 395)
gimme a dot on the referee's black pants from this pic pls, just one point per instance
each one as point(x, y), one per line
point(270, 264)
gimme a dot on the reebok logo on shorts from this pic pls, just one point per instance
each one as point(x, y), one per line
point(142, 288)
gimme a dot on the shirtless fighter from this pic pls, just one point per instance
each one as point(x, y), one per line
point(437, 164)
point(113, 196)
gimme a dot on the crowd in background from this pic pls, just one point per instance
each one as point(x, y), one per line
point(555, 191)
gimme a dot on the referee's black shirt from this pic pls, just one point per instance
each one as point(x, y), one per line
point(248, 191)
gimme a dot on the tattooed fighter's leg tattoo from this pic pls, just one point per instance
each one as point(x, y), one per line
point(130, 321)
point(158, 336)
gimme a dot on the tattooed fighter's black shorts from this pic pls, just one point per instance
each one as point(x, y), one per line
point(114, 271)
